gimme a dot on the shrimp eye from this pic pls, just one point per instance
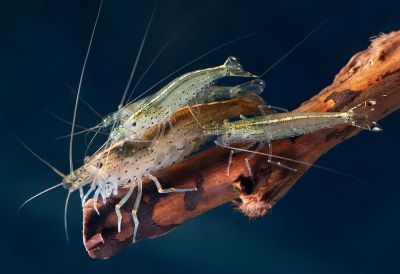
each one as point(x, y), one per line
point(67, 184)
point(99, 165)
point(107, 121)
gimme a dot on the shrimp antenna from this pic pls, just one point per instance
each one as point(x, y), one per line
point(92, 109)
point(293, 48)
point(194, 60)
point(133, 69)
point(40, 158)
point(68, 122)
point(71, 167)
point(95, 129)
point(195, 118)
point(80, 132)
point(312, 165)
point(155, 59)
point(47, 164)
point(37, 195)
point(138, 56)
point(91, 141)
point(65, 216)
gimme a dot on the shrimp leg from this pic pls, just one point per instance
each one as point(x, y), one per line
point(228, 170)
point(95, 199)
point(270, 161)
point(167, 190)
point(81, 194)
point(92, 187)
point(122, 202)
point(136, 207)
point(249, 169)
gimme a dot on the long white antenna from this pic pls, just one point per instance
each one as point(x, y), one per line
point(154, 60)
point(86, 103)
point(357, 179)
point(65, 216)
point(132, 73)
point(138, 57)
point(71, 167)
point(194, 60)
point(40, 158)
point(292, 49)
point(37, 195)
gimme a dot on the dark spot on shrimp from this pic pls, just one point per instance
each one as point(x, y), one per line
point(342, 99)
point(193, 198)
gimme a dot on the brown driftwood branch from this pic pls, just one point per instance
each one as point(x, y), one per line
point(369, 74)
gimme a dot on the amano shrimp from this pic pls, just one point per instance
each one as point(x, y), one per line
point(127, 162)
point(211, 94)
point(267, 128)
point(188, 89)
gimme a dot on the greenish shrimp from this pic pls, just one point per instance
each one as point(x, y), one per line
point(191, 88)
point(266, 128)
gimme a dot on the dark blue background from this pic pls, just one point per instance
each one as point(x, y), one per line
point(325, 224)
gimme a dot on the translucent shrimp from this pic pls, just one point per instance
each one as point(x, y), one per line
point(187, 89)
point(211, 94)
point(284, 125)
point(270, 127)
point(158, 107)
point(128, 162)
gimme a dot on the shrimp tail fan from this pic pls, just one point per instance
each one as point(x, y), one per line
point(235, 68)
point(360, 116)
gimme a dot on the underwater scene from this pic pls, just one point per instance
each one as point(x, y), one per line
point(199, 136)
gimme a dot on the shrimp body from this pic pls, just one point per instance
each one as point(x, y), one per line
point(285, 125)
point(211, 94)
point(127, 162)
point(188, 89)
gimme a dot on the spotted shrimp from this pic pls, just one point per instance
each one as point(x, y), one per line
point(188, 89)
point(108, 169)
point(269, 127)
point(211, 94)
point(128, 162)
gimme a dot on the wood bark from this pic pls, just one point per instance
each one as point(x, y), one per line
point(370, 74)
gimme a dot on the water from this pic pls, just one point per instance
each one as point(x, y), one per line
point(325, 224)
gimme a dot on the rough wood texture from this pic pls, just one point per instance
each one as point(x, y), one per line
point(370, 74)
